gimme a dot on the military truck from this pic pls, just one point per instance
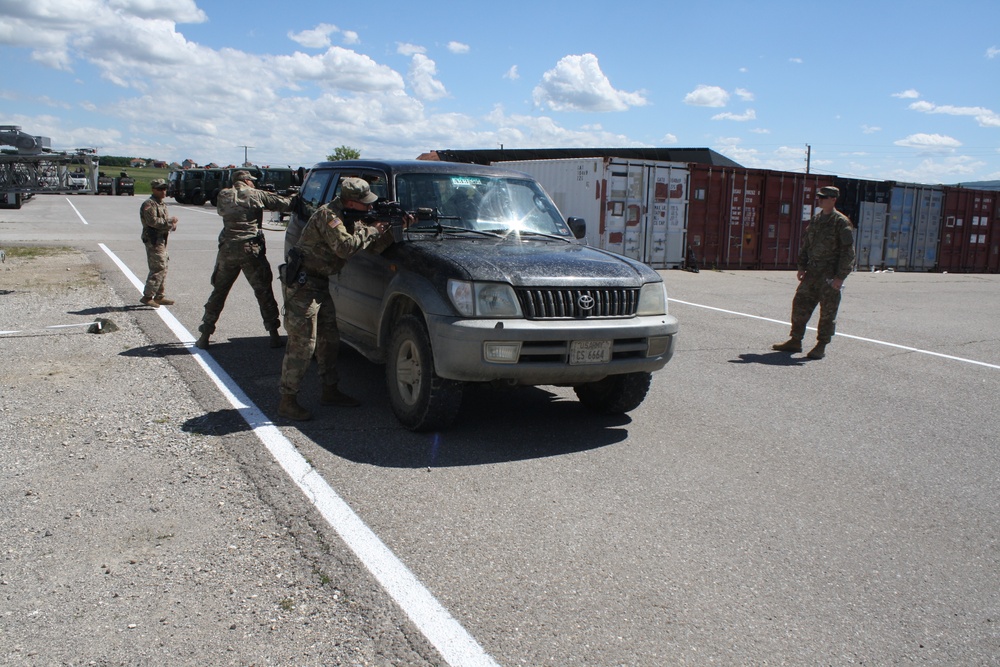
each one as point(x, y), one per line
point(105, 184)
point(125, 185)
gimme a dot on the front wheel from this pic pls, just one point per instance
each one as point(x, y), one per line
point(615, 394)
point(421, 400)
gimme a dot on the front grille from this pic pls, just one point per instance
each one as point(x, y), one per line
point(547, 304)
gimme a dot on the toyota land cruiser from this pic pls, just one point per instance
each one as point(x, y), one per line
point(491, 284)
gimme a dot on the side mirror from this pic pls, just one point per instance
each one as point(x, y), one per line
point(578, 226)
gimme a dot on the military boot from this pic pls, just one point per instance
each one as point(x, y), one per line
point(164, 301)
point(289, 408)
point(202, 342)
point(149, 301)
point(276, 340)
point(817, 352)
point(790, 345)
point(333, 396)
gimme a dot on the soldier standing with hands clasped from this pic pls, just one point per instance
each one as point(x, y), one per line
point(242, 248)
point(332, 235)
point(157, 223)
point(826, 258)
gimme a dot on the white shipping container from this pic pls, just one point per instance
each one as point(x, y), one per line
point(637, 208)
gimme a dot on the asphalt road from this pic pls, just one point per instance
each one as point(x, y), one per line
point(758, 508)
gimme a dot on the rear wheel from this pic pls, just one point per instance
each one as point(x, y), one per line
point(615, 394)
point(421, 400)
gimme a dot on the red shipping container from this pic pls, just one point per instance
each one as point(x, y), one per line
point(789, 199)
point(724, 213)
point(970, 231)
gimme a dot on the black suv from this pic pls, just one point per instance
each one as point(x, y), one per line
point(490, 285)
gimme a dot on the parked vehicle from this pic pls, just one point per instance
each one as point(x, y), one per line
point(105, 184)
point(491, 285)
point(125, 185)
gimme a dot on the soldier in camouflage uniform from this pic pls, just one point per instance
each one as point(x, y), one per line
point(157, 224)
point(826, 258)
point(241, 249)
point(331, 236)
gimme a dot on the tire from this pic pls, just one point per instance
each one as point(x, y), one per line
point(421, 400)
point(615, 394)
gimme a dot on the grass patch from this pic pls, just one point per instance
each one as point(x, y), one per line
point(34, 252)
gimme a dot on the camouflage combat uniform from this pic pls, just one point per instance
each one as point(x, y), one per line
point(156, 226)
point(241, 248)
point(327, 242)
point(827, 252)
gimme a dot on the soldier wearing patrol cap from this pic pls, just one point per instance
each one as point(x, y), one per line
point(332, 235)
point(826, 258)
point(157, 223)
point(242, 249)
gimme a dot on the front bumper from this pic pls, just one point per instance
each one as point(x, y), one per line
point(544, 357)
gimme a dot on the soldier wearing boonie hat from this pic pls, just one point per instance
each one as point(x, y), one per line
point(826, 258)
point(332, 235)
point(157, 223)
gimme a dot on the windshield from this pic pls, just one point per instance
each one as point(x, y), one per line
point(482, 203)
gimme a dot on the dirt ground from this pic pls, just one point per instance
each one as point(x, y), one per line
point(131, 536)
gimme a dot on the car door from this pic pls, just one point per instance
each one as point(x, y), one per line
point(359, 288)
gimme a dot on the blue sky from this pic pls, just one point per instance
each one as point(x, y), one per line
point(883, 90)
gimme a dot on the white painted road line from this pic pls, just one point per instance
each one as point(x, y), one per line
point(843, 335)
point(82, 219)
point(452, 641)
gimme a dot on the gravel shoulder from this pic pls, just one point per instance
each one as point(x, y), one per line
point(133, 537)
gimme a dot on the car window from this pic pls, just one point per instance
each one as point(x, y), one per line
point(313, 191)
point(481, 202)
point(377, 181)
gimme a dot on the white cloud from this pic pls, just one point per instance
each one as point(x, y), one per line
point(668, 139)
point(797, 61)
point(930, 142)
point(351, 37)
point(744, 94)
point(907, 94)
point(512, 73)
point(707, 96)
point(178, 11)
point(458, 47)
point(317, 38)
point(749, 114)
point(577, 83)
point(405, 49)
point(422, 73)
point(985, 117)
point(870, 129)
point(992, 52)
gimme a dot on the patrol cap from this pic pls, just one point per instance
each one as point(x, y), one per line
point(358, 190)
point(828, 191)
point(158, 184)
point(242, 175)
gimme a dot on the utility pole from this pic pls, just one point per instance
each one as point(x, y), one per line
point(808, 157)
point(246, 159)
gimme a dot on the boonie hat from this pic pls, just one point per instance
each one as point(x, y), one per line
point(158, 184)
point(242, 175)
point(828, 191)
point(358, 190)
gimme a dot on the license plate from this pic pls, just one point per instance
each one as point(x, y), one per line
point(589, 352)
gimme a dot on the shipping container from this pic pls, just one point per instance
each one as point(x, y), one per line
point(970, 231)
point(913, 226)
point(749, 218)
point(789, 200)
point(637, 208)
point(866, 203)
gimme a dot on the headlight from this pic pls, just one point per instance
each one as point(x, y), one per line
point(473, 299)
point(653, 299)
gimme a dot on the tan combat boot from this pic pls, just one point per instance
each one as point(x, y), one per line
point(790, 345)
point(289, 408)
point(333, 396)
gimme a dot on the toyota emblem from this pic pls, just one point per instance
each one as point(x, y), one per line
point(586, 302)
